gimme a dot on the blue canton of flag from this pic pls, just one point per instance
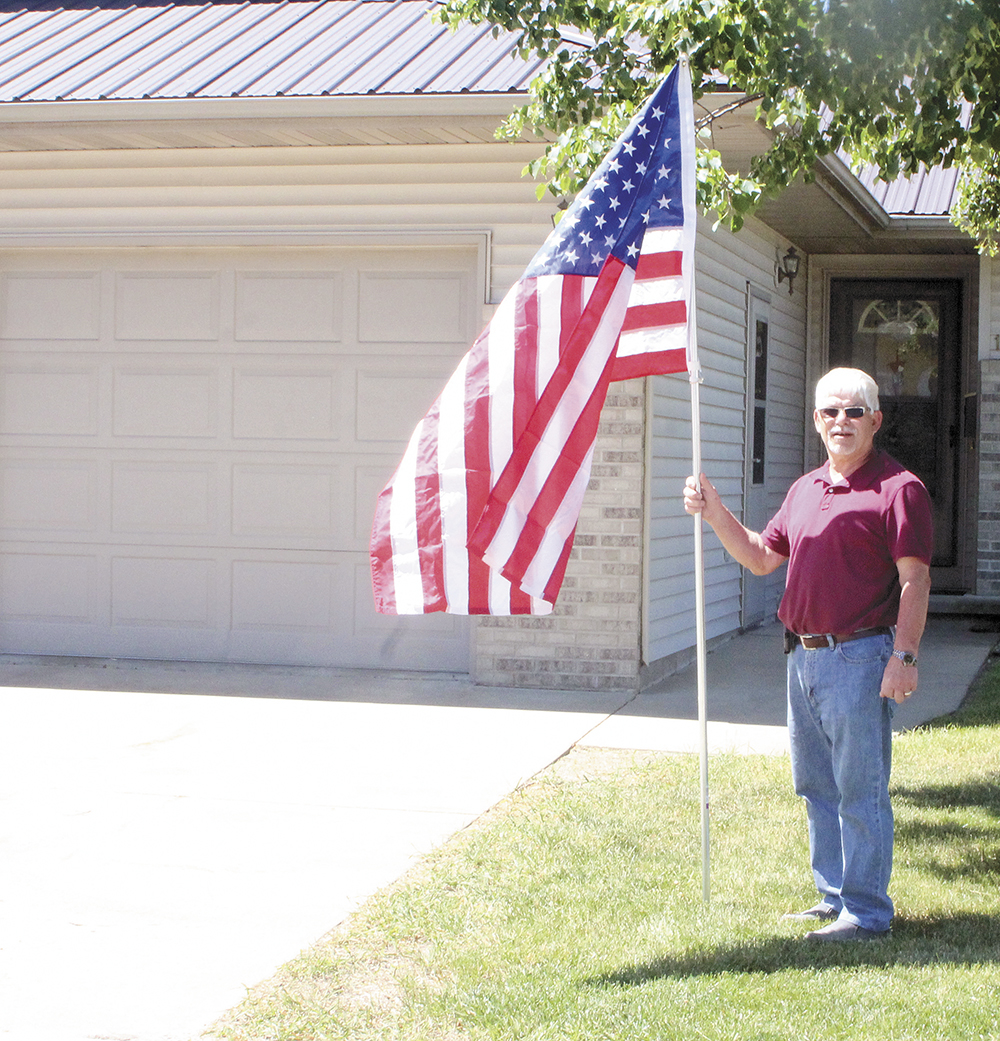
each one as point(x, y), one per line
point(637, 185)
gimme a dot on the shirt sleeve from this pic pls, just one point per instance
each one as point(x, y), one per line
point(775, 533)
point(910, 523)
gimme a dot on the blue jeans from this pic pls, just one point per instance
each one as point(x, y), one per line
point(841, 740)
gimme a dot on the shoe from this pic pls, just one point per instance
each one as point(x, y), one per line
point(819, 911)
point(841, 931)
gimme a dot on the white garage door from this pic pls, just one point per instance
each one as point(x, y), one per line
point(192, 443)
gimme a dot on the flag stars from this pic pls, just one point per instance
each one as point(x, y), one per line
point(634, 188)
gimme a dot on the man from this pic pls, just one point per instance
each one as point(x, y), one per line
point(857, 535)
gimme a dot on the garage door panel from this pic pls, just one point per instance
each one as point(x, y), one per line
point(57, 400)
point(413, 307)
point(165, 591)
point(392, 402)
point(277, 595)
point(43, 496)
point(277, 404)
point(292, 307)
point(46, 306)
point(51, 588)
point(167, 306)
point(164, 498)
point(286, 501)
point(153, 402)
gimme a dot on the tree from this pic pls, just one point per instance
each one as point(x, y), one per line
point(896, 83)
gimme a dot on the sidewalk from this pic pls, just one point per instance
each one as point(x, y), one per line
point(172, 833)
point(745, 693)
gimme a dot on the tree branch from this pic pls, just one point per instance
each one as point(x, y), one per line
point(708, 119)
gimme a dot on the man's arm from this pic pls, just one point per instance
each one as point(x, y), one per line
point(899, 680)
point(745, 546)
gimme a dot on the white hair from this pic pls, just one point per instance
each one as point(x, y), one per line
point(848, 383)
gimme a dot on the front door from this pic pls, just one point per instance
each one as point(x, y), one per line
point(907, 335)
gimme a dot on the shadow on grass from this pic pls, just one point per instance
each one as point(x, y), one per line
point(984, 793)
point(947, 940)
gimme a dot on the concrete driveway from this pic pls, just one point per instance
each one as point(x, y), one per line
point(159, 853)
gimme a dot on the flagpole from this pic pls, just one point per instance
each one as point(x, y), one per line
point(699, 599)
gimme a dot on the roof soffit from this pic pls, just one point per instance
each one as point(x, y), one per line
point(256, 122)
point(833, 213)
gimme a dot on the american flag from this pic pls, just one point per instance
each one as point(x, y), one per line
point(479, 518)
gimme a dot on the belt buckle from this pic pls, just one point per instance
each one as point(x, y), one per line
point(831, 640)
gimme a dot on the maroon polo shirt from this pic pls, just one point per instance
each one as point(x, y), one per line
point(842, 542)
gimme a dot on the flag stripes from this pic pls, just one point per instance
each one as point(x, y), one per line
point(655, 331)
point(530, 517)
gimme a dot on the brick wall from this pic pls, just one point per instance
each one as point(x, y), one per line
point(988, 583)
point(591, 639)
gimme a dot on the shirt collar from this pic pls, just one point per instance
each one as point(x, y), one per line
point(860, 478)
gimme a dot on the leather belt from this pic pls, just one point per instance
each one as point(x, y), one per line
point(812, 641)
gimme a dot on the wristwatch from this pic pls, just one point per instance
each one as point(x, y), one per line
point(905, 657)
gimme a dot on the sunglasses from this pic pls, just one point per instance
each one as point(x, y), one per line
point(851, 412)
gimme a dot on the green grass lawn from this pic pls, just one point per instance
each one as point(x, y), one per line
point(574, 911)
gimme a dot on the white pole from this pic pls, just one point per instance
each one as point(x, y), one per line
point(699, 600)
point(686, 105)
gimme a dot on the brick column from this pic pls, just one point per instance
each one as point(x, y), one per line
point(988, 577)
point(591, 639)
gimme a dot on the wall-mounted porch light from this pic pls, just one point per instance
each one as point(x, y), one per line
point(788, 267)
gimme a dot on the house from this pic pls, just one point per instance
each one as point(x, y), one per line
point(243, 245)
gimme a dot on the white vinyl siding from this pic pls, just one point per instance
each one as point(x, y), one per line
point(725, 263)
point(320, 195)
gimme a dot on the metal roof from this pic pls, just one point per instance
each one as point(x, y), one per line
point(928, 193)
point(115, 50)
